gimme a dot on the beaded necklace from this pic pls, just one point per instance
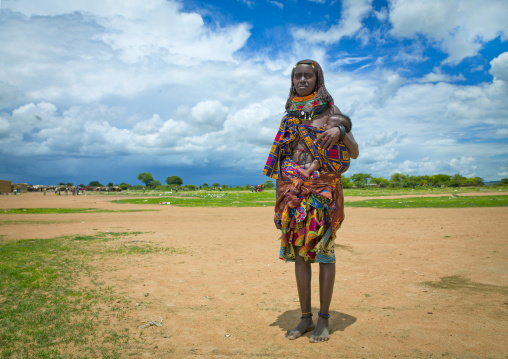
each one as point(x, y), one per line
point(307, 107)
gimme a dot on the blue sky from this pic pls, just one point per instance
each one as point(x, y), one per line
point(94, 90)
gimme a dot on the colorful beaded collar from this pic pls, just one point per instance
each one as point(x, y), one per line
point(307, 107)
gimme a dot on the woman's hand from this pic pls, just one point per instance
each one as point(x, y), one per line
point(328, 138)
point(277, 225)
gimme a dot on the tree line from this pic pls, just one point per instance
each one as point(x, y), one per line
point(401, 180)
point(357, 180)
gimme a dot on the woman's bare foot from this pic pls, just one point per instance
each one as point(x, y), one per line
point(306, 325)
point(322, 331)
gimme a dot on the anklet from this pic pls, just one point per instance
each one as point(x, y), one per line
point(306, 316)
point(325, 316)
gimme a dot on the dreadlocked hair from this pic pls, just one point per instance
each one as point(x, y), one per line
point(323, 93)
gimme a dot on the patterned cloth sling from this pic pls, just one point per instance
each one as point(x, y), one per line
point(336, 160)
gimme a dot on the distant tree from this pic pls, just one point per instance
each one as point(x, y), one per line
point(146, 178)
point(205, 185)
point(61, 184)
point(125, 186)
point(110, 184)
point(216, 185)
point(224, 186)
point(81, 185)
point(474, 181)
point(380, 181)
point(456, 180)
point(191, 187)
point(422, 180)
point(155, 184)
point(174, 180)
point(440, 180)
point(479, 181)
point(69, 184)
point(269, 184)
point(399, 180)
point(360, 179)
point(346, 182)
point(95, 184)
point(504, 181)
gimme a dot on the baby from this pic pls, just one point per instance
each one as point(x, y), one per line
point(332, 121)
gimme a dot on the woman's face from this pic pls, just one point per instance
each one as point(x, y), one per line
point(304, 80)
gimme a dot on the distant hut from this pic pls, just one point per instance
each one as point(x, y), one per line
point(5, 186)
point(22, 186)
point(36, 188)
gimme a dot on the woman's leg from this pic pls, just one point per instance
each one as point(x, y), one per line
point(303, 274)
point(326, 282)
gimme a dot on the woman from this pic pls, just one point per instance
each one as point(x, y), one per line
point(309, 211)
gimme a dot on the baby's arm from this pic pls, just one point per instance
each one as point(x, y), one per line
point(314, 166)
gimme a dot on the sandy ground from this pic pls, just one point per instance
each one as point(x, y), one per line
point(230, 296)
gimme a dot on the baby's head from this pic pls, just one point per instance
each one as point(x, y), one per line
point(338, 120)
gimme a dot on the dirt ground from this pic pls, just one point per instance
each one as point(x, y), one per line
point(410, 283)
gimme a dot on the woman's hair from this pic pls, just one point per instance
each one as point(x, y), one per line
point(320, 84)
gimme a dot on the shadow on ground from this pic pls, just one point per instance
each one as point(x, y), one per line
point(460, 283)
point(338, 321)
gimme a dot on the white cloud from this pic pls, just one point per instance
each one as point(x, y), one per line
point(208, 115)
point(350, 23)
point(438, 76)
point(384, 138)
point(464, 165)
point(148, 126)
point(348, 60)
point(4, 127)
point(503, 171)
point(458, 27)
point(499, 67)
point(372, 155)
point(413, 53)
point(382, 15)
point(276, 3)
point(502, 132)
point(247, 2)
point(179, 38)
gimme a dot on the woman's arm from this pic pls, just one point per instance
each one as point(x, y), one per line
point(332, 135)
point(352, 146)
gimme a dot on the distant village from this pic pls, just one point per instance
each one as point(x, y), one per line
point(7, 187)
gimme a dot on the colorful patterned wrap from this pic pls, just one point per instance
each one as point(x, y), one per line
point(335, 160)
point(310, 212)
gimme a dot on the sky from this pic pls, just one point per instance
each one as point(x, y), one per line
point(104, 90)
